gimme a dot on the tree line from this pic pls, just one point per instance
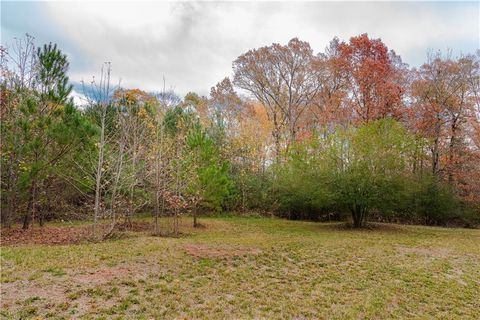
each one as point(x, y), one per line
point(351, 131)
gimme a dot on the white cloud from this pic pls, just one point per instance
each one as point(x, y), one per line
point(194, 44)
point(79, 99)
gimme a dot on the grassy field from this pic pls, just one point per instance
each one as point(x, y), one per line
point(251, 268)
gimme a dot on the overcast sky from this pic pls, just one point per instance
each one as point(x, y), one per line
point(193, 44)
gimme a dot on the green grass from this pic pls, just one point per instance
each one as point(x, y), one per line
point(251, 268)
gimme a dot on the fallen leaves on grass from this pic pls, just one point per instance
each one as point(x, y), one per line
point(63, 235)
point(43, 235)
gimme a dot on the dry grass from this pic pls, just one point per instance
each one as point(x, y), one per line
point(251, 268)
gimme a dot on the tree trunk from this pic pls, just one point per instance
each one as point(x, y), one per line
point(11, 209)
point(175, 222)
point(357, 216)
point(115, 187)
point(131, 208)
point(157, 210)
point(451, 147)
point(40, 218)
point(435, 149)
point(99, 175)
point(293, 133)
point(244, 199)
point(194, 212)
point(31, 205)
point(11, 195)
point(276, 137)
point(48, 201)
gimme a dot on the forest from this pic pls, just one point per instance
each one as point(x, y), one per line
point(350, 133)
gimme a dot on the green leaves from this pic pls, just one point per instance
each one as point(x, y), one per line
point(357, 170)
point(208, 179)
point(52, 74)
point(374, 167)
point(44, 129)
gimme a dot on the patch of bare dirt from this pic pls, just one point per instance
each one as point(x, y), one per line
point(43, 235)
point(52, 291)
point(102, 276)
point(18, 291)
point(204, 251)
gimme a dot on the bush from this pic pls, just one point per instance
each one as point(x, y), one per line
point(435, 203)
point(359, 171)
point(301, 186)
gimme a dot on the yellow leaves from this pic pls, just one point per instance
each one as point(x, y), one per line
point(151, 126)
point(131, 97)
point(56, 107)
point(142, 113)
point(24, 167)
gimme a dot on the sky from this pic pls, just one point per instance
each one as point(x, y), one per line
point(191, 45)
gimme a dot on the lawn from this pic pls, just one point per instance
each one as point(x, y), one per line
point(251, 268)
